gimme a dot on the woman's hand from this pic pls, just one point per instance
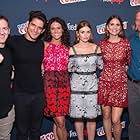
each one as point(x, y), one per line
point(74, 68)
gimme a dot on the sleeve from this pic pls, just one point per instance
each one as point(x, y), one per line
point(99, 62)
point(100, 43)
point(128, 52)
point(99, 57)
point(10, 42)
point(1, 58)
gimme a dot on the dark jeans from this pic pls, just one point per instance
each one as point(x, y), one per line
point(134, 110)
point(29, 114)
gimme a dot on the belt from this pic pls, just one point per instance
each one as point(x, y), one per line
point(86, 73)
point(134, 81)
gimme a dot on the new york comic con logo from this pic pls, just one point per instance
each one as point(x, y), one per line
point(100, 131)
point(101, 28)
point(71, 1)
point(22, 27)
point(114, 1)
point(134, 2)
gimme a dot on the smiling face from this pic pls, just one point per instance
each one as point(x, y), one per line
point(56, 31)
point(114, 27)
point(137, 21)
point(84, 34)
point(34, 29)
point(4, 31)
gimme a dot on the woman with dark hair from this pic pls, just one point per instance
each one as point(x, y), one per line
point(112, 91)
point(56, 78)
point(84, 59)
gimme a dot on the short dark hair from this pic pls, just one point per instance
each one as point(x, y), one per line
point(137, 11)
point(39, 15)
point(5, 18)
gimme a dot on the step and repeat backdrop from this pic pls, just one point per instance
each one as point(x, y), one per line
point(72, 11)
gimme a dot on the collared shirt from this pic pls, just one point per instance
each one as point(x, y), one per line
point(134, 67)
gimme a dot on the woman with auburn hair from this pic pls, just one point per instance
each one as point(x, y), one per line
point(84, 59)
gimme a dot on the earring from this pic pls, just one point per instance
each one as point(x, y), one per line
point(78, 39)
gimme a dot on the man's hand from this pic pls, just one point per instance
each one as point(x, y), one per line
point(1, 58)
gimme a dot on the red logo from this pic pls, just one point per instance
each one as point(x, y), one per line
point(117, 1)
point(114, 1)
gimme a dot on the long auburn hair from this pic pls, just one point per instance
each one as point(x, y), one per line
point(80, 25)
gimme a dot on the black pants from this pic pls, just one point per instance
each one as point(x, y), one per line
point(29, 114)
point(134, 110)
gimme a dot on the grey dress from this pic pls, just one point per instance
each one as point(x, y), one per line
point(84, 84)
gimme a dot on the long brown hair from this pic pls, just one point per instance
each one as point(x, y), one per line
point(65, 39)
point(121, 34)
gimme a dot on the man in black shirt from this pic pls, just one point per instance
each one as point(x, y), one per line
point(7, 113)
point(27, 51)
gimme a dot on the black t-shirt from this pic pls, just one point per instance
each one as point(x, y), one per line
point(6, 101)
point(27, 60)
